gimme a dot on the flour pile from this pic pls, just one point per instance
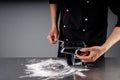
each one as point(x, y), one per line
point(51, 69)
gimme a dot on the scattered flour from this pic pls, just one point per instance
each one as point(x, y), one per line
point(51, 69)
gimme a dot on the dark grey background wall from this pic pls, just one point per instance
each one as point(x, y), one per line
point(24, 27)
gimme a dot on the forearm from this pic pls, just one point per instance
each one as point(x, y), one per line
point(53, 10)
point(53, 35)
point(112, 39)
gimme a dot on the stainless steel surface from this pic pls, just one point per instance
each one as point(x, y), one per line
point(13, 68)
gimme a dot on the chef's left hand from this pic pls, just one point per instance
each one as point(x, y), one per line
point(91, 54)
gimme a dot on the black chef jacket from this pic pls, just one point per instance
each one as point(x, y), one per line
point(85, 20)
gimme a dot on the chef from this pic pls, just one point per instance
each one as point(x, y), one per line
point(84, 20)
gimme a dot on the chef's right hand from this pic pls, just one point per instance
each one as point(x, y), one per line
point(53, 36)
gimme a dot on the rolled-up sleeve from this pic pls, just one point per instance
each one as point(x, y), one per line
point(115, 8)
point(53, 1)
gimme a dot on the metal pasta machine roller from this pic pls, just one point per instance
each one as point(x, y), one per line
point(72, 48)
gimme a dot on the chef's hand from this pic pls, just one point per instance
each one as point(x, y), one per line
point(91, 54)
point(53, 36)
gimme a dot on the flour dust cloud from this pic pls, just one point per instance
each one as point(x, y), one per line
point(51, 69)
